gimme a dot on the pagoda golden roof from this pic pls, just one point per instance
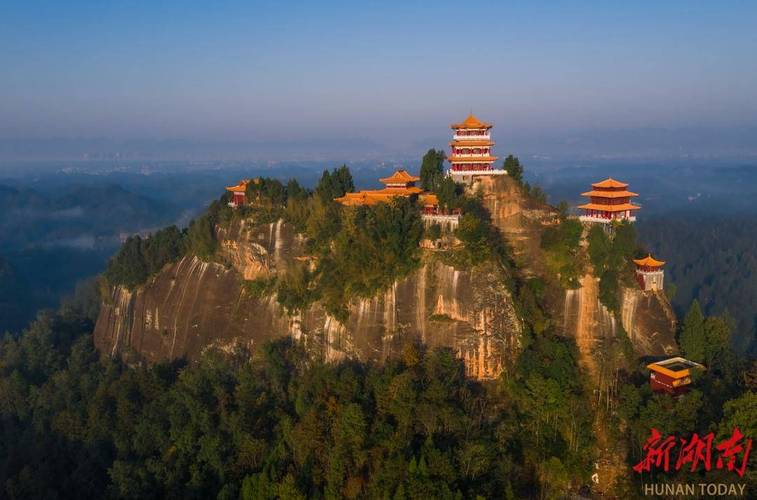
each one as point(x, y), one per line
point(385, 195)
point(371, 197)
point(471, 123)
point(610, 208)
point(400, 177)
point(472, 159)
point(609, 183)
point(649, 261)
point(239, 188)
point(472, 142)
point(610, 194)
point(429, 200)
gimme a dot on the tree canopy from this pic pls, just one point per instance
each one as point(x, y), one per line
point(432, 169)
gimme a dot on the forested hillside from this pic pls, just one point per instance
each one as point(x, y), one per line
point(280, 425)
point(712, 259)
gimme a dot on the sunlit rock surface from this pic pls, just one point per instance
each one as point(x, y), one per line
point(192, 305)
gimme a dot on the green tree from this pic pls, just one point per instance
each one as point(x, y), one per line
point(692, 338)
point(335, 183)
point(432, 168)
point(449, 192)
point(599, 248)
point(514, 168)
point(434, 232)
point(201, 237)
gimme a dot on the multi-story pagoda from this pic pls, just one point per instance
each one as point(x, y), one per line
point(471, 150)
point(238, 193)
point(649, 273)
point(609, 200)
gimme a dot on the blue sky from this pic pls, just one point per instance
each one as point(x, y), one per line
point(268, 71)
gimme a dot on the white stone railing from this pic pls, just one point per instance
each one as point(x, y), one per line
point(457, 173)
point(604, 220)
point(441, 218)
point(485, 137)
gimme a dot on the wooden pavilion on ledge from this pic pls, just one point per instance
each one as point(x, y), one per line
point(649, 273)
point(238, 193)
point(671, 375)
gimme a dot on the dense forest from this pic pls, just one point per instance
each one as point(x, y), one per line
point(279, 425)
point(711, 259)
point(275, 423)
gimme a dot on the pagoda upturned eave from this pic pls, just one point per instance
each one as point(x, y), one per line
point(649, 261)
point(621, 207)
point(609, 194)
point(400, 177)
point(471, 123)
point(609, 183)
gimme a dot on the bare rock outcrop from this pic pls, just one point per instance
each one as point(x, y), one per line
point(192, 305)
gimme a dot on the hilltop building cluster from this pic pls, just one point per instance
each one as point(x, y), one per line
point(609, 203)
point(471, 156)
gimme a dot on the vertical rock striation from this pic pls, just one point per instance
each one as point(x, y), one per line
point(192, 305)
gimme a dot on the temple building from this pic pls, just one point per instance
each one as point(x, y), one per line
point(649, 273)
point(671, 375)
point(471, 150)
point(609, 200)
point(238, 196)
point(400, 183)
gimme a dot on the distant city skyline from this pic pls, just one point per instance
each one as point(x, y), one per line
point(393, 73)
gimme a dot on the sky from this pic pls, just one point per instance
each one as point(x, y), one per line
point(393, 72)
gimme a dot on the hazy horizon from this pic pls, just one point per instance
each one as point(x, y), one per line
point(182, 81)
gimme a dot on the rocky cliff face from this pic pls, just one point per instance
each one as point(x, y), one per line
point(192, 305)
point(646, 317)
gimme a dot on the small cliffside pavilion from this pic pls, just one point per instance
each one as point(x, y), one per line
point(238, 196)
point(609, 200)
point(471, 150)
point(671, 375)
point(649, 273)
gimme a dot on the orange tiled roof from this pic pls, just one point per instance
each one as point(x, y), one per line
point(610, 208)
point(241, 187)
point(371, 197)
point(471, 123)
point(429, 199)
point(472, 142)
point(400, 177)
point(472, 159)
point(674, 367)
point(609, 183)
point(649, 261)
point(610, 194)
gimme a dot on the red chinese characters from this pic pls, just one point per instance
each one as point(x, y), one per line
point(695, 452)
